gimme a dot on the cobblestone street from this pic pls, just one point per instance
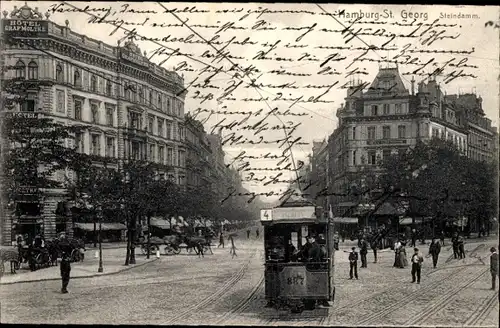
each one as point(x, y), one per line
point(218, 289)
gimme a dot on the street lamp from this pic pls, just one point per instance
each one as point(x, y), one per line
point(99, 215)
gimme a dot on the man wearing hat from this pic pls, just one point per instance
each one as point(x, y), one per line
point(65, 262)
point(493, 267)
point(353, 263)
point(416, 265)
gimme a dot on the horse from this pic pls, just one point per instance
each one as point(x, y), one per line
point(11, 255)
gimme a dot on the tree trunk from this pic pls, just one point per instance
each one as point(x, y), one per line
point(132, 241)
point(95, 233)
point(127, 255)
point(149, 235)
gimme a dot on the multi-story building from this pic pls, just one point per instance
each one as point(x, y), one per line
point(199, 154)
point(385, 119)
point(319, 173)
point(219, 168)
point(134, 108)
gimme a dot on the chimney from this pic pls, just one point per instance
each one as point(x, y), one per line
point(412, 85)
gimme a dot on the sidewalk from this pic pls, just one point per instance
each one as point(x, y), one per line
point(113, 259)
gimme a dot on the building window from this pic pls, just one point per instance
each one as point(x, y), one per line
point(160, 103)
point(93, 83)
point(180, 159)
point(386, 153)
point(79, 142)
point(136, 153)
point(371, 133)
point(77, 79)
point(354, 158)
point(386, 132)
point(128, 91)
point(169, 130)
point(20, 69)
point(161, 154)
point(354, 133)
point(374, 110)
point(60, 101)
point(152, 153)
point(77, 105)
point(109, 116)
point(402, 131)
point(179, 108)
point(140, 95)
point(32, 71)
point(169, 105)
point(59, 73)
point(372, 157)
point(150, 124)
point(95, 145)
point(29, 104)
point(108, 87)
point(170, 155)
point(386, 109)
point(181, 133)
point(435, 132)
point(135, 120)
point(110, 147)
point(398, 108)
point(160, 127)
point(95, 113)
point(150, 97)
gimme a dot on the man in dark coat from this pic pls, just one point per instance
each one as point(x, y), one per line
point(353, 263)
point(493, 267)
point(373, 245)
point(416, 265)
point(314, 253)
point(454, 243)
point(221, 240)
point(461, 247)
point(363, 251)
point(434, 250)
point(65, 271)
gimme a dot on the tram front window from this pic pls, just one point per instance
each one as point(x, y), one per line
point(296, 243)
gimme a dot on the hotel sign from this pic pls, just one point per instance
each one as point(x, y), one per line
point(25, 28)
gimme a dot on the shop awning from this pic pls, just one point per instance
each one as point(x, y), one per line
point(104, 226)
point(345, 220)
point(160, 223)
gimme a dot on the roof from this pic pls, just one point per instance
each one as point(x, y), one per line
point(389, 79)
point(345, 220)
point(388, 209)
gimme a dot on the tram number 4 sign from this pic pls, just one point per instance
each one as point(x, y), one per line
point(297, 280)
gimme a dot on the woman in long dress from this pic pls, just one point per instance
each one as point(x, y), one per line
point(397, 254)
point(404, 260)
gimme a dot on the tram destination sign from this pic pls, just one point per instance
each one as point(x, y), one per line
point(25, 27)
point(284, 214)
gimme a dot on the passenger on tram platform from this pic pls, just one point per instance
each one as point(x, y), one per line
point(292, 252)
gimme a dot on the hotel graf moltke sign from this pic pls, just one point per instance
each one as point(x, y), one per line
point(24, 28)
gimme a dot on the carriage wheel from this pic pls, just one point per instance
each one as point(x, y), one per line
point(206, 249)
point(169, 250)
point(144, 249)
point(176, 249)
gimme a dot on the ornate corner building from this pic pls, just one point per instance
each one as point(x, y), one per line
point(388, 118)
point(134, 108)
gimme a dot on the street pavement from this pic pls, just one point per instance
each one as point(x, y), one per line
point(221, 290)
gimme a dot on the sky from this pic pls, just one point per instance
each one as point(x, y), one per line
point(302, 45)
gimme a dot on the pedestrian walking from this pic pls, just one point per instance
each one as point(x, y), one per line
point(416, 265)
point(221, 240)
point(363, 251)
point(454, 243)
point(441, 237)
point(232, 251)
point(434, 250)
point(248, 234)
point(413, 238)
point(353, 263)
point(373, 246)
point(199, 246)
point(257, 233)
point(65, 271)
point(493, 267)
point(461, 247)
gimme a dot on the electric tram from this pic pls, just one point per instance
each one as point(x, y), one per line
point(299, 257)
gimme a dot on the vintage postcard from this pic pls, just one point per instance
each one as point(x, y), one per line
point(249, 164)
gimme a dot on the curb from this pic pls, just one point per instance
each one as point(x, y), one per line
point(80, 277)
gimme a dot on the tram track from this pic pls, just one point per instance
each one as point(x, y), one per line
point(391, 307)
point(438, 305)
point(479, 315)
point(184, 314)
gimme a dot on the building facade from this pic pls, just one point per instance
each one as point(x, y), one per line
point(134, 108)
point(319, 173)
point(387, 119)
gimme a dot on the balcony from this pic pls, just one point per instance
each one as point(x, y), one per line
point(386, 142)
point(135, 132)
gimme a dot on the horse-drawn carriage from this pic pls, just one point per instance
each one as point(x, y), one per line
point(37, 257)
point(175, 243)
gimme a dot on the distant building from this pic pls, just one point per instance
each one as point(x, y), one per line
point(387, 119)
point(319, 173)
